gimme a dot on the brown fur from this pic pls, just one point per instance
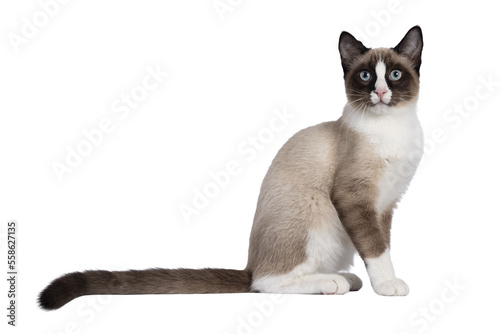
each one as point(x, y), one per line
point(279, 233)
point(354, 194)
point(404, 90)
point(151, 281)
point(329, 162)
point(344, 173)
point(325, 177)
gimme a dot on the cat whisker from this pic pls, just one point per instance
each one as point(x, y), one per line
point(352, 102)
point(353, 113)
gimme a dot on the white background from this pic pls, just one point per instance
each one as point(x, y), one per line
point(119, 208)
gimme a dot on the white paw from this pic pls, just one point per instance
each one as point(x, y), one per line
point(334, 285)
point(395, 287)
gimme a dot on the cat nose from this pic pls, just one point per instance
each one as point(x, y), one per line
point(380, 92)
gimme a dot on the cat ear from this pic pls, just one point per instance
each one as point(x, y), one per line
point(350, 49)
point(411, 46)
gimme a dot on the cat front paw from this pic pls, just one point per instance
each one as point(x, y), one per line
point(395, 287)
point(334, 285)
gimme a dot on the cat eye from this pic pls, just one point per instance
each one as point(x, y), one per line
point(395, 75)
point(365, 75)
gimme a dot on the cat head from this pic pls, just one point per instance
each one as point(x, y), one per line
point(380, 79)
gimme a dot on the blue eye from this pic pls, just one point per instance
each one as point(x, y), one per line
point(395, 75)
point(365, 75)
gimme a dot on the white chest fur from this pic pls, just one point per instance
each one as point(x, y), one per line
point(398, 140)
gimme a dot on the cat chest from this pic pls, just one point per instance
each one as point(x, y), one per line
point(395, 143)
point(399, 161)
point(392, 183)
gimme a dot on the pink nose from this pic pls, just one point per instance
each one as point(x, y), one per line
point(380, 92)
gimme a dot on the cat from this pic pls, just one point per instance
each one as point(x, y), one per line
point(330, 192)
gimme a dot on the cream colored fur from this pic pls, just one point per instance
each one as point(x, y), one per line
point(298, 244)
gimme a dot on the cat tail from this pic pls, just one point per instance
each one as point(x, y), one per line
point(134, 282)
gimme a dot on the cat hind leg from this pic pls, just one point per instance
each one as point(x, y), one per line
point(328, 284)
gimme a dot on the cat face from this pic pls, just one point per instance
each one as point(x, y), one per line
point(380, 79)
